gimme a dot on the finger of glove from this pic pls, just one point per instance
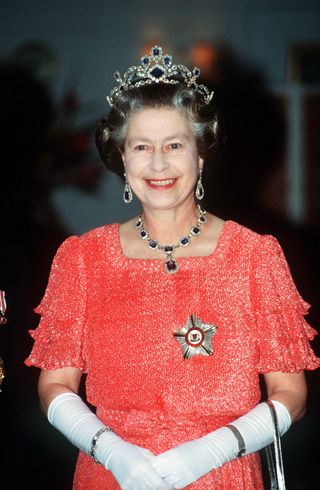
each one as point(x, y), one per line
point(150, 485)
point(173, 480)
point(138, 485)
point(144, 476)
point(124, 458)
point(162, 465)
point(146, 453)
point(165, 470)
point(173, 469)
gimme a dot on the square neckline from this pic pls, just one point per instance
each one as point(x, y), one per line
point(219, 245)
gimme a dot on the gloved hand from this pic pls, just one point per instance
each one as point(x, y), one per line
point(129, 464)
point(191, 460)
point(187, 462)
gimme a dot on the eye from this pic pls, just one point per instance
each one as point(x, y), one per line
point(173, 146)
point(143, 148)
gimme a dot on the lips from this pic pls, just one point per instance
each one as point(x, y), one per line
point(160, 183)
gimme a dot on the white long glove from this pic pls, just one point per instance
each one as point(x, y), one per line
point(129, 464)
point(187, 462)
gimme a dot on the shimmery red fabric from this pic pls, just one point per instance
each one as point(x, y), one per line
point(114, 318)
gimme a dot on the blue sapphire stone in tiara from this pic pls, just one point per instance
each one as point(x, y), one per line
point(157, 72)
point(153, 244)
point(184, 241)
point(154, 68)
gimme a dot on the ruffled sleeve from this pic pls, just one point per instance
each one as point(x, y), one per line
point(282, 334)
point(58, 340)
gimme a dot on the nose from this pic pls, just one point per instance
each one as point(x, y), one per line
point(158, 161)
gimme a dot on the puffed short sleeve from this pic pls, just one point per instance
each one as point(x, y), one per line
point(58, 339)
point(281, 331)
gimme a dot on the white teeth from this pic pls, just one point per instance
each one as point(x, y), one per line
point(161, 182)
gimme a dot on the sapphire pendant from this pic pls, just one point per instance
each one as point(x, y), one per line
point(170, 265)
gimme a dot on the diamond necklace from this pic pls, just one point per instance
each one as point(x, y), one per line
point(171, 265)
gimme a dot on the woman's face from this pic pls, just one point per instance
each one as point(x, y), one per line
point(161, 158)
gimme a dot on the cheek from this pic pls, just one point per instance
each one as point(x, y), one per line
point(135, 164)
point(194, 161)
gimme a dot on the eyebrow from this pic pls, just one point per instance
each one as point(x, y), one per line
point(133, 139)
point(182, 136)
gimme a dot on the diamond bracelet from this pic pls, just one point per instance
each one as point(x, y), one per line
point(93, 446)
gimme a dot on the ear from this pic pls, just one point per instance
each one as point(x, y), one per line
point(123, 158)
point(200, 163)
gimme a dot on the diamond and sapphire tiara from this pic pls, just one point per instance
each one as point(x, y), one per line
point(158, 68)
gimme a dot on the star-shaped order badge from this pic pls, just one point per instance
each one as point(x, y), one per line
point(196, 337)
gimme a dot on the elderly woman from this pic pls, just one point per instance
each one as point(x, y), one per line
point(172, 315)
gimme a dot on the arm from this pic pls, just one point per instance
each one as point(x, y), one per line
point(55, 382)
point(188, 462)
point(129, 464)
point(289, 389)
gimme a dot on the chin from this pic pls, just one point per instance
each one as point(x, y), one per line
point(165, 204)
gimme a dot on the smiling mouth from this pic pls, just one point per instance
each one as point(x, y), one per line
point(163, 183)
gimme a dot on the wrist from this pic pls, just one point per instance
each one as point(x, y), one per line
point(94, 446)
point(73, 418)
point(245, 435)
point(254, 430)
point(222, 446)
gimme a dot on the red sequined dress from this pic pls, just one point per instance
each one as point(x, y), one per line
point(115, 318)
